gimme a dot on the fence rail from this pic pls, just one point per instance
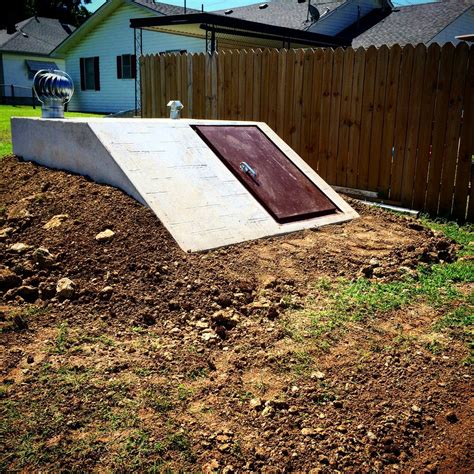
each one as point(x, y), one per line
point(395, 121)
point(13, 98)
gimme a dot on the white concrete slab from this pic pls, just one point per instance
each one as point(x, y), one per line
point(165, 164)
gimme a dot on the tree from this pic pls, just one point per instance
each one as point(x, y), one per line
point(72, 12)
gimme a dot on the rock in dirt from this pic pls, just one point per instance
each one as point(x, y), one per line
point(20, 247)
point(65, 289)
point(56, 221)
point(452, 417)
point(5, 232)
point(106, 292)
point(43, 258)
point(8, 279)
point(28, 293)
point(317, 375)
point(105, 236)
point(46, 290)
point(256, 403)
point(226, 318)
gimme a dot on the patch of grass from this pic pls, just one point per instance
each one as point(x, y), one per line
point(184, 392)
point(9, 111)
point(439, 286)
point(60, 344)
point(462, 316)
point(197, 373)
point(157, 400)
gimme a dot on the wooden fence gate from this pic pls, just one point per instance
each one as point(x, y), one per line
point(395, 121)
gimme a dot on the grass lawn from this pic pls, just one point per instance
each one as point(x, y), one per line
point(8, 111)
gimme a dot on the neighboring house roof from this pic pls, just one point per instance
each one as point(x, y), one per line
point(289, 14)
point(413, 24)
point(36, 35)
point(158, 8)
point(163, 8)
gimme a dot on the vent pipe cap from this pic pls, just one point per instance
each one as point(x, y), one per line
point(54, 89)
point(175, 109)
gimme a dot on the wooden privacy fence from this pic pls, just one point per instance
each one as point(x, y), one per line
point(395, 121)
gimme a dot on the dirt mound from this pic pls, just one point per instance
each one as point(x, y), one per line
point(95, 288)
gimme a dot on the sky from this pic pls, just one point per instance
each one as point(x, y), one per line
point(221, 4)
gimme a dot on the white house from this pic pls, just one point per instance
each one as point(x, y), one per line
point(26, 48)
point(99, 56)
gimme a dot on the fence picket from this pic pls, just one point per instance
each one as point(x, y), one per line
point(400, 134)
point(355, 118)
point(453, 128)
point(413, 126)
point(466, 149)
point(439, 127)
point(366, 120)
point(336, 93)
point(325, 112)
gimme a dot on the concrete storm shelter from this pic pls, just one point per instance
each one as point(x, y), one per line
point(211, 183)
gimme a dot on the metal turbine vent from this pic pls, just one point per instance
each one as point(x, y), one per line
point(54, 89)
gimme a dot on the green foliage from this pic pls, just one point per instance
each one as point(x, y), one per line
point(72, 12)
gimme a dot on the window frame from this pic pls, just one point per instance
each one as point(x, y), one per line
point(126, 71)
point(90, 73)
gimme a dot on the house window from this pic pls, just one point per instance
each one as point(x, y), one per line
point(90, 74)
point(126, 66)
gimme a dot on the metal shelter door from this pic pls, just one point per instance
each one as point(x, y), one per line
point(277, 184)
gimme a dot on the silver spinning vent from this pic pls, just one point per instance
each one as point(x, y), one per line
point(54, 89)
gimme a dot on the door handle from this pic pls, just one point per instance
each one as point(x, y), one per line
point(247, 169)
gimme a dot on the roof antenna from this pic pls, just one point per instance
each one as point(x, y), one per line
point(313, 12)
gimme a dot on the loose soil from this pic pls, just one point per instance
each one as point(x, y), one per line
point(167, 360)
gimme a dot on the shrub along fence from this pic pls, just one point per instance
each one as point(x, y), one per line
point(395, 121)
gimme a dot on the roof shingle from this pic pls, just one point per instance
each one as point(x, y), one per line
point(289, 14)
point(164, 8)
point(36, 35)
point(413, 24)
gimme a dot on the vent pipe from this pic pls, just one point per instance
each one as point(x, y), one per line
point(54, 90)
point(175, 109)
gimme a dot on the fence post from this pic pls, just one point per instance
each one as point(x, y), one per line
point(33, 98)
point(13, 93)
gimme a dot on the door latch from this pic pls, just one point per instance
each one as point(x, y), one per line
point(246, 168)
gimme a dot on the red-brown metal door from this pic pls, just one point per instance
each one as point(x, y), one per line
point(280, 187)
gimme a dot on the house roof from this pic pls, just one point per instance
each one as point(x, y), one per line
point(413, 24)
point(158, 8)
point(289, 14)
point(36, 35)
point(163, 8)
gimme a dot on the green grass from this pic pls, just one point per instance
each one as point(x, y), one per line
point(8, 111)
point(439, 286)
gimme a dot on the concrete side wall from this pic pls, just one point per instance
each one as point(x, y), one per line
point(15, 72)
point(111, 38)
point(70, 146)
point(462, 25)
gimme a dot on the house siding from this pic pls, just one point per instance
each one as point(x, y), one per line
point(108, 40)
point(15, 72)
point(462, 25)
point(343, 16)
